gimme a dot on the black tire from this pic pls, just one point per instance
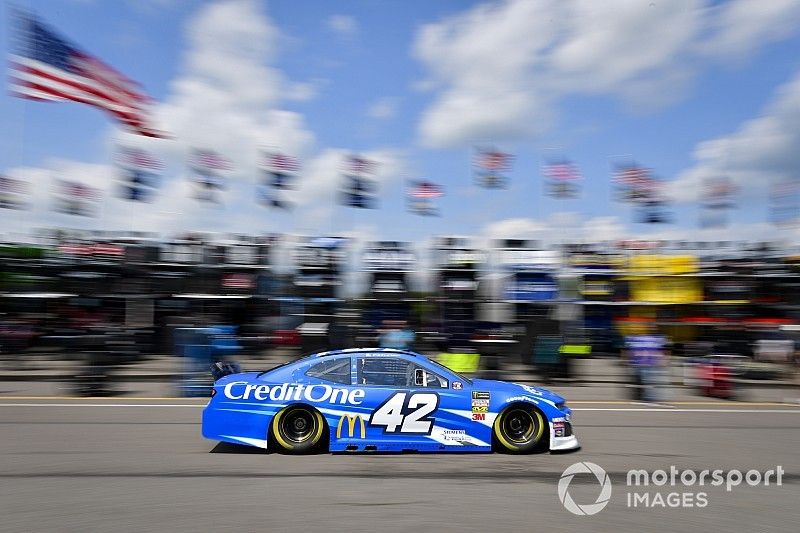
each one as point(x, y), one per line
point(520, 428)
point(298, 429)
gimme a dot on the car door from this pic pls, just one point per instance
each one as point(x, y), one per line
point(403, 403)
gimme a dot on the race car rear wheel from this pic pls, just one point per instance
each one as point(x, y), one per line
point(520, 429)
point(298, 429)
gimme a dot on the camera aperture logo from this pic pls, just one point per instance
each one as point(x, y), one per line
point(663, 488)
point(586, 509)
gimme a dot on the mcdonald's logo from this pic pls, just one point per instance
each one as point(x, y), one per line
point(351, 426)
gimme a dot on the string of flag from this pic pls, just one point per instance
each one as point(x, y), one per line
point(46, 66)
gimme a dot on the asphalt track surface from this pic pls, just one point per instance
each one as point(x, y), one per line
point(141, 465)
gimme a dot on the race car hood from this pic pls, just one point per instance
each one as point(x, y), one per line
point(513, 389)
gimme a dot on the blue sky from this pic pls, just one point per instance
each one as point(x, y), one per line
point(689, 88)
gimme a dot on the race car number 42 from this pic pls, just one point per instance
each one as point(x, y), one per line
point(404, 413)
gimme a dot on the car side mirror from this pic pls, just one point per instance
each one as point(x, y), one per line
point(419, 377)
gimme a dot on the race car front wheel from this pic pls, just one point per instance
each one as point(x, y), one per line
point(520, 429)
point(298, 429)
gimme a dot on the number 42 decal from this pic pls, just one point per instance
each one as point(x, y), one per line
point(406, 413)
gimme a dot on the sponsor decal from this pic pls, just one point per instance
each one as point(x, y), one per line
point(242, 390)
point(481, 395)
point(458, 435)
point(531, 390)
point(480, 405)
point(351, 426)
point(479, 416)
point(522, 399)
point(559, 428)
point(457, 385)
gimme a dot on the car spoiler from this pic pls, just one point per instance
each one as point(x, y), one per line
point(221, 369)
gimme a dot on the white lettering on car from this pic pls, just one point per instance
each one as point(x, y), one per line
point(241, 390)
point(261, 392)
point(278, 393)
point(228, 389)
point(356, 396)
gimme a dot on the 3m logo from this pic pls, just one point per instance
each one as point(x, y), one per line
point(351, 426)
point(479, 416)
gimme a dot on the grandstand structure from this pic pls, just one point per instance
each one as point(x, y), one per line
point(596, 293)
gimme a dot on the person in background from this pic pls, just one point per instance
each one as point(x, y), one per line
point(396, 334)
point(647, 356)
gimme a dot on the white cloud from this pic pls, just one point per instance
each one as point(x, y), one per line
point(573, 228)
point(761, 150)
point(501, 68)
point(559, 227)
point(344, 25)
point(383, 108)
point(738, 28)
point(515, 228)
point(227, 96)
point(303, 91)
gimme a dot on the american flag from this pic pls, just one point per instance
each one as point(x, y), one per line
point(718, 189)
point(425, 189)
point(359, 165)
point(278, 162)
point(11, 185)
point(137, 158)
point(561, 171)
point(12, 193)
point(632, 176)
point(75, 198)
point(76, 189)
point(492, 160)
point(48, 67)
point(208, 160)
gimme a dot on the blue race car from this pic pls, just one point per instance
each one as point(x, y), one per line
point(382, 400)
